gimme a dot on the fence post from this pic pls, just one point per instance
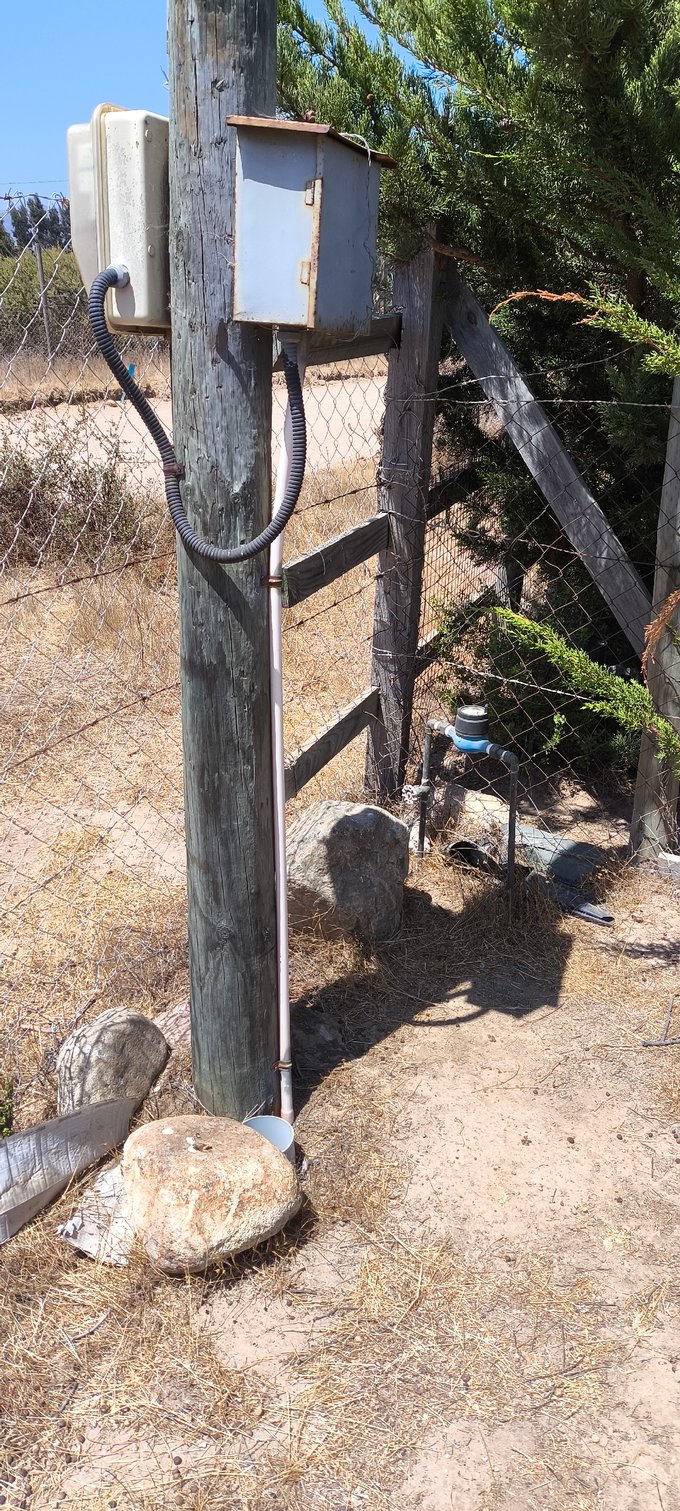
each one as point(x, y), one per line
point(44, 306)
point(223, 61)
point(654, 825)
point(404, 478)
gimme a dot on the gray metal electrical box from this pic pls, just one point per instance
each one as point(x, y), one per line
point(306, 216)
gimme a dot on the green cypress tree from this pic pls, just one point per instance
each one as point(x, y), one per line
point(541, 142)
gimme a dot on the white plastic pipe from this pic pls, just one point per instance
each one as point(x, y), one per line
point(279, 767)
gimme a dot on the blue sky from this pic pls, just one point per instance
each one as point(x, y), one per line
point(60, 59)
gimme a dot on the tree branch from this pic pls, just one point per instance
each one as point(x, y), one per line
point(461, 254)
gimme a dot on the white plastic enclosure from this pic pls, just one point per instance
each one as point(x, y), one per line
point(118, 185)
point(306, 216)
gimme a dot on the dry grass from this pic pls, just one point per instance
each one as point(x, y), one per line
point(114, 1358)
point(107, 1377)
point(27, 382)
point(93, 870)
point(424, 1338)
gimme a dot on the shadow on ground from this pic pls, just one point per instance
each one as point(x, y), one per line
point(462, 961)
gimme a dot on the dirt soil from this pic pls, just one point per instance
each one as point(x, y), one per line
point(477, 1309)
point(343, 422)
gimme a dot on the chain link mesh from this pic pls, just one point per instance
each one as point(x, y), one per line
point(499, 545)
point(92, 856)
point(92, 867)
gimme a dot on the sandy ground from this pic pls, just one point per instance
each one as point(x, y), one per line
point(342, 423)
point(479, 1307)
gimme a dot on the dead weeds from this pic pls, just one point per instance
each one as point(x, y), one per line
point(108, 1379)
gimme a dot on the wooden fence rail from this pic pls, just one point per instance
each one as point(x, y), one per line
point(432, 294)
point(549, 463)
point(324, 564)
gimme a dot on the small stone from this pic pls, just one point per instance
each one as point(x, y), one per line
point(121, 1054)
point(347, 864)
point(201, 1189)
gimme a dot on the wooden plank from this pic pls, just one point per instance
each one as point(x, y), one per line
point(403, 492)
point(384, 335)
point(319, 750)
point(317, 568)
point(223, 59)
point(548, 462)
point(654, 826)
point(427, 652)
point(451, 489)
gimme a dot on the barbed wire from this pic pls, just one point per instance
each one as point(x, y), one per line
point(92, 865)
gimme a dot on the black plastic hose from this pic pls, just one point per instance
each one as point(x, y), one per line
point(110, 278)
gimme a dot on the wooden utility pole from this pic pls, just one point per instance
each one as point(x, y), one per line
point(223, 62)
point(403, 493)
point(654, 825)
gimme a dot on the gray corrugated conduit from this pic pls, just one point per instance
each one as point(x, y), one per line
point(116, 277)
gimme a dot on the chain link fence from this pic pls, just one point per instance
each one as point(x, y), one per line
point(92, 854)
point(92, 867)
point(500, 547)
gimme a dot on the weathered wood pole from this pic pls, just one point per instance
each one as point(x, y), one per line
point(223, 62)
point(403, 494)
point(654, 825)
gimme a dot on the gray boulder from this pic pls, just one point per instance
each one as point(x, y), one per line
point(119, 1055)
point(347, 863)
point(198, 1189)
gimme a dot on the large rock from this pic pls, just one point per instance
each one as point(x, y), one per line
point(347, 863)
point(199, 1189)
point(119, 1055)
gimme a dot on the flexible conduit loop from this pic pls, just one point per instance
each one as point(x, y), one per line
point(171, 468)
